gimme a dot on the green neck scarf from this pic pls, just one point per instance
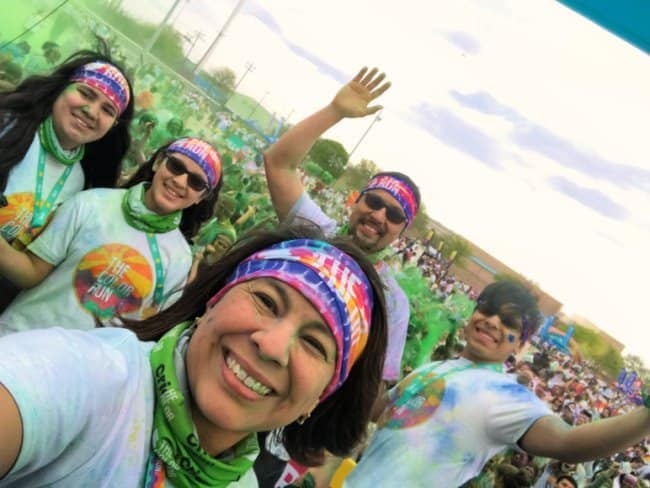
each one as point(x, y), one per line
point(50, 143)
point(375, 258)
point(140, 217)
point(174, 438)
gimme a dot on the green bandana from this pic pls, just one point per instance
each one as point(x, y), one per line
point(174, 437)
point(140, 217)
point(50, 143)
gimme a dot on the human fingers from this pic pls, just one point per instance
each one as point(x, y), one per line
point(369, 76)
point(374, 83)
point(360, 74)
point(374, 109)
point(379, 91)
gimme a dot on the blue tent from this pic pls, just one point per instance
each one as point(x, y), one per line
point(628, 19)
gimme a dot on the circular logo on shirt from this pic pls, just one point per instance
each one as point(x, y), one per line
point(417, 399)
point(16, 216)
point(112, 279)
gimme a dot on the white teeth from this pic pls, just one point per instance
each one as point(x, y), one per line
point(250, 382)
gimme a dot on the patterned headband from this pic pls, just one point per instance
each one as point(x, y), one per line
point(331, 280)
point(402, 192)
point(108, 79)
point(202, 154)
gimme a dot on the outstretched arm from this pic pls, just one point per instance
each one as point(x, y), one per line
point(551, 437)
point(11, 431)
point(23, 269)
point(282, 159)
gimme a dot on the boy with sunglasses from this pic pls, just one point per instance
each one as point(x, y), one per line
point(446, 419)
point(385, 208)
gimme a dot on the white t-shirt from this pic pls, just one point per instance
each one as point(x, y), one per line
point(440, 429)
point(103, 266)
point(21, 187)
point(86, 401)
point(306, 211)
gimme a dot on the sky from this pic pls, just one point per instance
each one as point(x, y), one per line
point(524, 124)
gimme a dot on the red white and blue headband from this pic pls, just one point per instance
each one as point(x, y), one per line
point(108, 79)
point(399, 190)
point(331, 280)
point(202, 154)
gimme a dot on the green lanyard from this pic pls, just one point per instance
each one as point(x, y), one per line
point(160, 279)
point(416, 387)
point(43, 208)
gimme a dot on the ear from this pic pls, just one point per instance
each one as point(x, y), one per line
point(158, 162)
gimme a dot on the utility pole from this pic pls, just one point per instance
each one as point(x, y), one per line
point(249, 67)
point(197, 35)
point(161, 26)
point(219, 35)
point(377, 118)
point(259, 102)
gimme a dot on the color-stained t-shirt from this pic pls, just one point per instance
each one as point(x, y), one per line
point(103, 267)
point(21, 188)
point(443, 423)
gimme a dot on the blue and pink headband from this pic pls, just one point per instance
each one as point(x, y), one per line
point(399, 190)
point(108, 79)
point(331, 280)
point(202, 154)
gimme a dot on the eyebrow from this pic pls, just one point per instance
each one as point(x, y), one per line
point(319, 325)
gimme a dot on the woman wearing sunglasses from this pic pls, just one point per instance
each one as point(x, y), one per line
point(284, 331)
point(117, 252)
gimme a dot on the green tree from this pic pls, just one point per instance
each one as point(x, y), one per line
point(329, 155)
point(457, 247)
point(224, 77)
point(355, 176)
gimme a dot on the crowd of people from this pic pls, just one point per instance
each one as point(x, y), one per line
point(184, 306)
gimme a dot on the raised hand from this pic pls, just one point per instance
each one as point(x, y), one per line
point(354, 98)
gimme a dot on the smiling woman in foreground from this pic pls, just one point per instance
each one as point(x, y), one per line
point(283, 331)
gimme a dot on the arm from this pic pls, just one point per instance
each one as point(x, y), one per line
point(551, 437)
point(23, 269)
point(282, 159)
point(11, 431)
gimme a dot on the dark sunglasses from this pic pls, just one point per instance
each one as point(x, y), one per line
point(176, 167)
point(394, 214)
point(509, 315)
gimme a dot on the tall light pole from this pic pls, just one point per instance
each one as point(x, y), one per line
point(161, 26)
point(249, 67)
point(377, 118)
point(220, 34)
point(259, 102)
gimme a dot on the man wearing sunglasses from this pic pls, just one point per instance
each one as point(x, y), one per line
point(385, 208)
point(446, 419)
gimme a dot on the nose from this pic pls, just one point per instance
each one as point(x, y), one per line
point(493, 321)
point(91, 109)
point(274, 341)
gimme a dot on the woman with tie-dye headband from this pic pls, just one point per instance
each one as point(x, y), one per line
point(59, 133)
point(286, 331)
point(116, 252)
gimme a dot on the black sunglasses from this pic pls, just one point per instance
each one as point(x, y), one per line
point(394, 214)
point(177, 168)
point(509, 315)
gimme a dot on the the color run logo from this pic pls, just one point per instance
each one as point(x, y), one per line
point(113, 279)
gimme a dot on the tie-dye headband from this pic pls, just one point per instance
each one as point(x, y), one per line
point(331, 280)
point(402, 192)
point(108, 79)
point(202, 154)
